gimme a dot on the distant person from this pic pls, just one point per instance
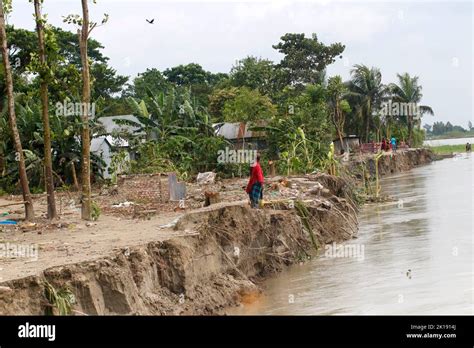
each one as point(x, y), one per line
point(255, 185)
point(393, 142)
point(468, 147)
point(384, 145)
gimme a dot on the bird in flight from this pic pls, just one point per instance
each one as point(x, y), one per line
point(151, 21)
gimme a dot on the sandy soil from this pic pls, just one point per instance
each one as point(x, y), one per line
point(70, 240)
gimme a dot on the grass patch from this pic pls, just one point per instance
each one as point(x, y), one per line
point(304, 215)
point(59, 301)
point(448, 149)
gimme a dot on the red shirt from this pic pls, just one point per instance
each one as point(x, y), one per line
point(257, 176)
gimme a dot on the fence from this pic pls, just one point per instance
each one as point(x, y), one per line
point(375, 147)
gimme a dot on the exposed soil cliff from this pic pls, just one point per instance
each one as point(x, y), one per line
point(394, 162)
point(198, 274)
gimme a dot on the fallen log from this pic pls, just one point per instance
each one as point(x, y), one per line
point(10, 204)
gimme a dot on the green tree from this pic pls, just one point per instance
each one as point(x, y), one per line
point(67, 76)
point(300, 138)
point(367, 92)
point(106, 81)
point(305, 58)
point(84, 31)
point(248, 105)
point(193, 76)
point(254, 73)
point(150, 79)
point(408, 90)
point(439, 128)
point(218, 99)
point(338, 106)
point(29, 211)
point(185, 75)
point(45, 75)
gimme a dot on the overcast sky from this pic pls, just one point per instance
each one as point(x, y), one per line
point(429, 39)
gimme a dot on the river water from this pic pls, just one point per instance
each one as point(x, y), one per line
point(457, 141)
point(412, 256)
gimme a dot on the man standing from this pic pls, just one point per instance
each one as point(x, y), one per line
point(255, 185)
point(393, 141)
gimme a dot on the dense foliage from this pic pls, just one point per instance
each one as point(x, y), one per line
point(302, 110)
point(448, 130)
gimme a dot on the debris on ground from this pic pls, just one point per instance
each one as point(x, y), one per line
point(206, 178)
point(122, 205)
point(211, 198)
point(8, 222)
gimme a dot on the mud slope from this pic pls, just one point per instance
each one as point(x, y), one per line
point(227, 249)
point(396, 162)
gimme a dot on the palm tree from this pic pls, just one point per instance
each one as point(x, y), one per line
point(409, 91)
point(367, 93)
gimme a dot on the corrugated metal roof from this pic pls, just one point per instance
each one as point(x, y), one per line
point(232, 131)
point(96, 143)
point(110, 125)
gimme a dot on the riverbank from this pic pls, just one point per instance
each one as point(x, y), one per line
point(195, 262)
point(391, 162)
point(412, 256)
point(223, 250)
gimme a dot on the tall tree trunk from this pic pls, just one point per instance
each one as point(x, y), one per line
point(29, 211)
point(340, 125)
point(410, 130)
point(86, 97)
point(74, 176)
point(337, 120)
point(367, 125)
point(48, 163)
point(367, 129)
point(2, 165)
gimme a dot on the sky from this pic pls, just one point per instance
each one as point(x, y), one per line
point(429, 39)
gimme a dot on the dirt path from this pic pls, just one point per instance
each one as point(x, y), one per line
point(77, 242)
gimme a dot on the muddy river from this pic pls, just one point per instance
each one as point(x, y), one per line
point(412, 256)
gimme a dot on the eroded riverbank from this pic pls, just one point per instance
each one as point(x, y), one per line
point(227, 249)
point(223, 251)
point(417, 254)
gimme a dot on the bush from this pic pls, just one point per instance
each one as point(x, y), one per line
point(95, 211)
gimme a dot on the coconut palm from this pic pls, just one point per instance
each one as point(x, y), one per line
point(367, 92)
point(409, 91)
